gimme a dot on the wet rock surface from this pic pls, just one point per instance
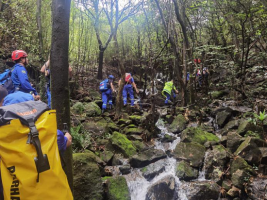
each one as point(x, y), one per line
point(190, 152)
point(147, 157)
point(154, 169)
point(163, 189)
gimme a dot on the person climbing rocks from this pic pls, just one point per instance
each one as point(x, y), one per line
point(168, 91)
point(45, 69)
point(129, 84)
point(19, 74)
point(106, 88)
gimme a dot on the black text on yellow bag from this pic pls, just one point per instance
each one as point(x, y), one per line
point(30, 160)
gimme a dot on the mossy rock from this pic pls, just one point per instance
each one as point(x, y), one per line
point(246, 125)
point(133, 131)
point(106, 156)
point(122, 144)
point(94, 95)
point(258, 135)
point(78, 108)
point(113, 127)
point(233, 141)
point(190, 152)
point(117, 189)
point(96, 128)
point(185, 172)
point(178, 124)
point(218, 94)
point(197, 135)
point(92, 109)
point(87, 182)
point(139, 145)
point(249, 150)
point(124, 122)
point(240, 163)
point(136, 119)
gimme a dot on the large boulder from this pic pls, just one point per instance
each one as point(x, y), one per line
point(178, 124)
point(154, 169)
point(92, 109)
point(197, 135)
point(249, 150)
point(185, 172)
point(240, 164)
point(246, 125)
point(239, 177)
point(202, 190)
point(233, 141)
point(218, 94)
point(190, 152)
point(98, 127)
point(215, 162)
point(163, 189)
point(122, 144)
point(78, 108)
point(223, 117)
point(87, 182)
point(146, 157)
point(257, 189)
point(231, 125)
point(117, 189)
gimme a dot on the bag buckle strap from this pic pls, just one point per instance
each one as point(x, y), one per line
point(41, 161)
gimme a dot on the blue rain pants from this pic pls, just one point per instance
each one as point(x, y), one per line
point(106, 98)
point(168, 97)
point(128, 89)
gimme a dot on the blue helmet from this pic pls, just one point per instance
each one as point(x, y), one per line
point(110, 77)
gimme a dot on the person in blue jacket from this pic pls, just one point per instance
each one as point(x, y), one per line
point(19, 74)
point(129, 84)
point(106, 87)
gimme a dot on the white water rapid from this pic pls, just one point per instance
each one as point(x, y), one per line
point(138, 185)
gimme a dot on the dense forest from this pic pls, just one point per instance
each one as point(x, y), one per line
point(208, 142)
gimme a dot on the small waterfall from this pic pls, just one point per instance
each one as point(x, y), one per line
point(139, 186)
point(201, 176)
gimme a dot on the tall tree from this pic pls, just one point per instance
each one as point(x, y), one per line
point(59, 71)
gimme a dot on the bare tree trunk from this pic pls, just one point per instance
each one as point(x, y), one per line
point(100, 64)
point(59, 72)
point(39, 24)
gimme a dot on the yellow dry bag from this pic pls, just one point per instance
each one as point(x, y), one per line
point(30, 161)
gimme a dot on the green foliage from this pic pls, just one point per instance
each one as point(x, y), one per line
point(81, 139)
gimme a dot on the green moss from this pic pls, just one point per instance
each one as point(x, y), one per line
point(131, 131)
point(131, 126)
point(78, 108)
point(198, 135)
point(185, 171)
point(118, 189)
point(254, 134)
point(87, 178)
point(144, 169)
point(106, 178)
point(178, 124)
point(138, 145)
point(124, 145)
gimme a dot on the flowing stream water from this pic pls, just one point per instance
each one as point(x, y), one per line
point(139, 186)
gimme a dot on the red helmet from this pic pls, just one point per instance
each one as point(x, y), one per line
point(17, 54)
point(197, 61)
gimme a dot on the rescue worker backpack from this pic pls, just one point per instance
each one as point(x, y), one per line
point(104, 85)
point(6, 81)
point(30, 161)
